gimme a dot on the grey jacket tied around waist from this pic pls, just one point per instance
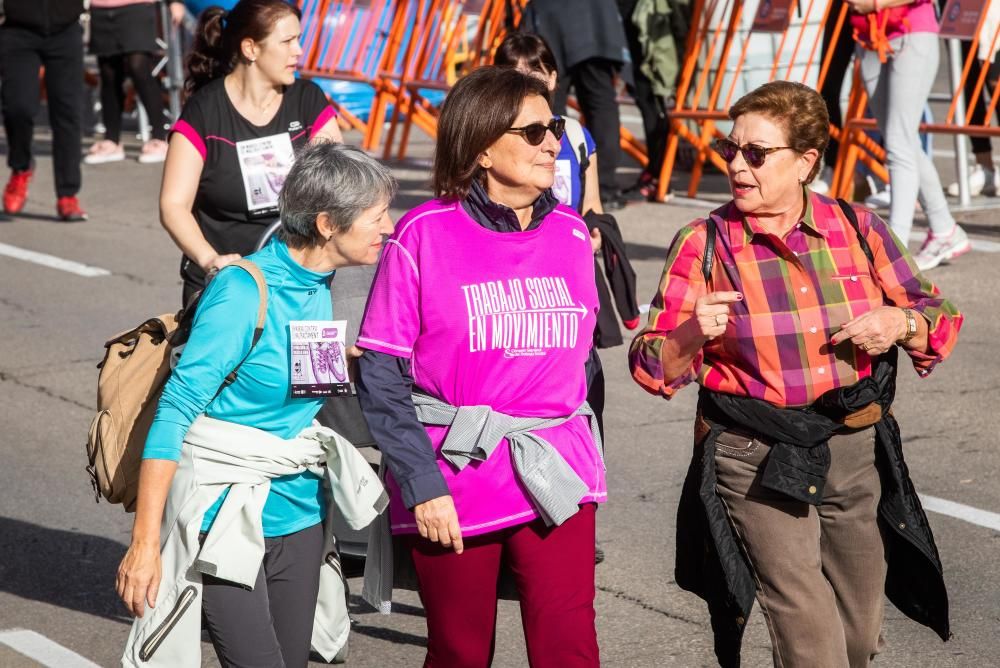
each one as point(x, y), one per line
point(476, 431)
point(219, 455)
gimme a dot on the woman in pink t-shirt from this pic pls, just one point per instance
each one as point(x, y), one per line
point(484, 306)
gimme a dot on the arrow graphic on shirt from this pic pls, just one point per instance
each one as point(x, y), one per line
point(566, 309)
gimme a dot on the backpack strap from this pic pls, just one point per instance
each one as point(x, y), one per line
point(577, 139)
point(852, 218)
point(258, 277)
point(709, 258)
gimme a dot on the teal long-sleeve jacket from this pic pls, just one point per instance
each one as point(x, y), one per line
point(220, 337)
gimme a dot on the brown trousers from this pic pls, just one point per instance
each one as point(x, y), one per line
point(820, 570)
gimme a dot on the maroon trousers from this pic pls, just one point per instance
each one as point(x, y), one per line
point(554, 571)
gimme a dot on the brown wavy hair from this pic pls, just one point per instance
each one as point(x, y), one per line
point(216, 48)
point(479, 109)
point(799, 110)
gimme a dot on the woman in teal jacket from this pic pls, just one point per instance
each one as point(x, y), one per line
point(351, 193)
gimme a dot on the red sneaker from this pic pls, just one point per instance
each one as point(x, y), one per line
point(16, 192)
point(70, 211)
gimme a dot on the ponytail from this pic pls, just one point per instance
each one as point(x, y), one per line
point(208, 59)
point(217, 39)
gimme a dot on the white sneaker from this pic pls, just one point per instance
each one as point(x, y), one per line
point(977, 182)
point(153, 151)
point(941, 250)
point(880, 199)
point(103, 152)
point(821, 185)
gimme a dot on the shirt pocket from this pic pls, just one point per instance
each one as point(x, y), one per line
point(857, 289)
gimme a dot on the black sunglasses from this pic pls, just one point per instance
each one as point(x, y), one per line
point(534, 134)
point(752, 153)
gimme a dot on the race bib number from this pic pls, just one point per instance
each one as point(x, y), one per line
point(264, 164)
point(319, 358)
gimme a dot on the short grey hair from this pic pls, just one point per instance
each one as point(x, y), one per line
point(341, 180)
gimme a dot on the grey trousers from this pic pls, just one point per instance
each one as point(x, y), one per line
point(271, 626)
point(898, 92)
point(820, 570)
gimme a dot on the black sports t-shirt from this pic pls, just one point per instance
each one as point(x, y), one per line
point(245, 164)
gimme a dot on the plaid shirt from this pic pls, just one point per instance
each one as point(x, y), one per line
point(797, 292)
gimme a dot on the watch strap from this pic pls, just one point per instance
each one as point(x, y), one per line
point(911, 325)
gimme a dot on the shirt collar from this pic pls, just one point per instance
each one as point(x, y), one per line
point(501, 218)
point(742, 228)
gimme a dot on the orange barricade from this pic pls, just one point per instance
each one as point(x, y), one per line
point(857, 146)
point(715, 63)
point(352, 40)
point(449, 39)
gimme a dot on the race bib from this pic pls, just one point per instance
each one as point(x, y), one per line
point(264, 164)
point(562, 187)
point(319, 358)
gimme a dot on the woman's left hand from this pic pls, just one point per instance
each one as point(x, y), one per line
point(353, 355)
point(595, 240)
point(876, 331)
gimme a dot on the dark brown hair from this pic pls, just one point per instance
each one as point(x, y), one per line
point(480, 108)
point(799, 110)
point(527, 48)
point(217, 38)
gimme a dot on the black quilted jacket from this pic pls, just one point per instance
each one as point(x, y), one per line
point(711, 564)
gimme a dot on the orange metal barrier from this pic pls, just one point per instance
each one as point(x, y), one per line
point(352, 40)
point(713, 66)
point(450, 39)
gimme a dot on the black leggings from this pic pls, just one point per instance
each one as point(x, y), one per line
point(139, 68)
point(271, 625)
point(843, 51)
point(980, 144)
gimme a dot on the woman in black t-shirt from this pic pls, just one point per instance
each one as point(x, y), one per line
point(236, 137)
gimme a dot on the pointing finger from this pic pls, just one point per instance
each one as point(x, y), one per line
point(722, 298)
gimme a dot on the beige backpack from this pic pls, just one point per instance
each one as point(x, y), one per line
point(133, 373)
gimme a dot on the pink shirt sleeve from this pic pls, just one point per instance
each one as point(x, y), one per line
point(325, 116)
point(392, 318)
point(184, 128)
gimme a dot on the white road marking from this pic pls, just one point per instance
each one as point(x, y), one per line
point(983, 518)
point(53, 261)
point(41, 649)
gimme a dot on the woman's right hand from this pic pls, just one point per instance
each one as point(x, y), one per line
point(437, 521)
point(139, 576)
point(711, 312)
point(217, 262)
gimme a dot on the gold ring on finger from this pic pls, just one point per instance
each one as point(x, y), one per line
point(866, 346)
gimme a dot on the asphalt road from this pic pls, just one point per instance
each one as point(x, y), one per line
point(59, 551)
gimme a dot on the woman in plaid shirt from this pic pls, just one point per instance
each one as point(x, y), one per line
point(791, 326)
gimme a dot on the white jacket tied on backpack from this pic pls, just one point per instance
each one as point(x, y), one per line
point(219, 455)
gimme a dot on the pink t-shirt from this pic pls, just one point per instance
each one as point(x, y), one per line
point(919, 16)
point(494, 319)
